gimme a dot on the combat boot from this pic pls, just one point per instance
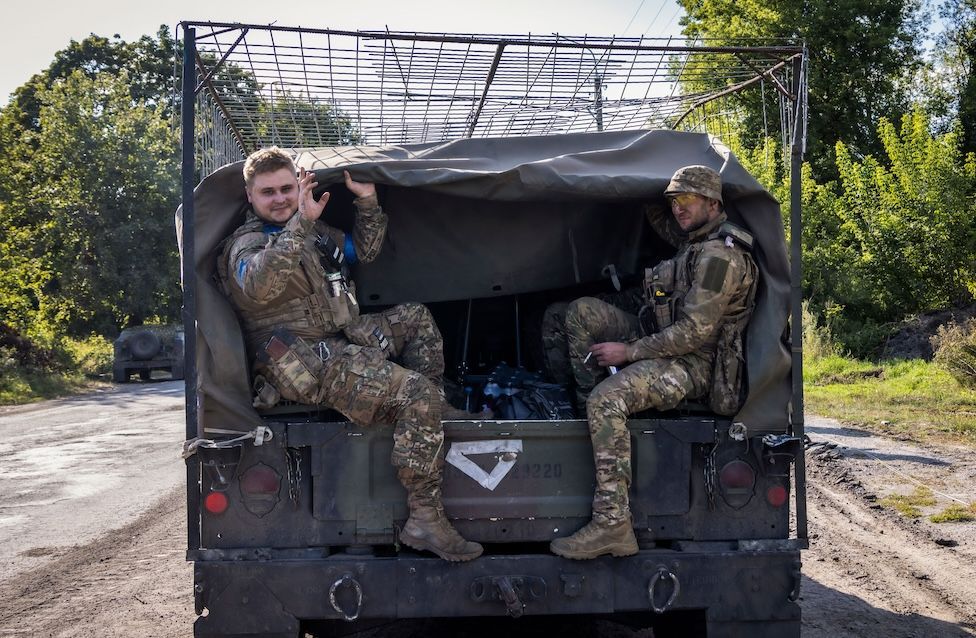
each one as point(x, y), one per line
point(597, 539)
point(428, 529)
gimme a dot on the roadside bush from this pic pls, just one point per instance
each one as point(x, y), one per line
point(19, 351)
point(818, 340)
point(92, 356)
point(955, 350)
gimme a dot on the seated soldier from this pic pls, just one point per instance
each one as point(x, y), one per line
point(286, 273)
point(707, 287)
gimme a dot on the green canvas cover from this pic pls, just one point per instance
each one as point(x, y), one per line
point(499, 216)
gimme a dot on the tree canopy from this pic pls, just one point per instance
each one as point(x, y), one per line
point(89, 183)
point(956, 51)
point(861, 52)
point(89, 179)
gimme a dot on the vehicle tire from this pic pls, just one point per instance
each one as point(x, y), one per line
point(145, 375)
point(177, 373)
point(144, 345)
point(120, 375)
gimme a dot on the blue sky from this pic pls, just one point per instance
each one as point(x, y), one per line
point(36, 32)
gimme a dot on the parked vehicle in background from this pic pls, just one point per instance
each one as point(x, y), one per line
point(142, 349)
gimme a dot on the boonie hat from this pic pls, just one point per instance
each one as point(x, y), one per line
point(697, 179)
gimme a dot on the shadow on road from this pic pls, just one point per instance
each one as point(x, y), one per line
point(828, 613)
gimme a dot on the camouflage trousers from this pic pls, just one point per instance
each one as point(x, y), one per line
point(555, 342)
point(354, 375)
point(651, 383)
point(414, 340)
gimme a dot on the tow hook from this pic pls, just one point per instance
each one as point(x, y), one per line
point(660, 578)
point(509, 590)
point(797, 579)
point(346, 579)
point(513, 604)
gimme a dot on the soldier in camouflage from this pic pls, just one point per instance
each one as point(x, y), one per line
point(286, 272)
point(688, 300)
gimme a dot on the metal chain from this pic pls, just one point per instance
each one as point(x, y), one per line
point(294, 465)
point(709, 455)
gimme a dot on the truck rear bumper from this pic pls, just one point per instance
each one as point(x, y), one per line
point(271, 597)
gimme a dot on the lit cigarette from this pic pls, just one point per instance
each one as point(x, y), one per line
point(588, 355)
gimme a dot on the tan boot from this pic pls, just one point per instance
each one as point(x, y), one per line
point(597, 539)
point(428, 529)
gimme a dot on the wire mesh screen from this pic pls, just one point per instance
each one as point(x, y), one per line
point(300, 88)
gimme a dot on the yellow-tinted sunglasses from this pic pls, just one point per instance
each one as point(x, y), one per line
point(683, 199)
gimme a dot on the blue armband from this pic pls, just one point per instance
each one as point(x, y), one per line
point(349, 250)
point(241, 271)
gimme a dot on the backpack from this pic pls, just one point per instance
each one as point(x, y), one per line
point(521, 395)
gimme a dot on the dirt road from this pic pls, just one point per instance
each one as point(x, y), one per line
point(869, 572)
point(71, 469)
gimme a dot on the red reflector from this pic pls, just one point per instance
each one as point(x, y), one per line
point(737, 475)
point(260, 479)
point(215, 502)
point(776, 495)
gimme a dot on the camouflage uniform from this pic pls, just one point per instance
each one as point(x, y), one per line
point(712, 280)
point(555, 341)
point(329, 354)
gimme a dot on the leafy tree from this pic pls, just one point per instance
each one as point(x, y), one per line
point(104, 205)
point(87, 173)
point(912, 219)
point(893, 236)
point(956, 53)
point(860, 50)
point(148, 61)
point(88, 242)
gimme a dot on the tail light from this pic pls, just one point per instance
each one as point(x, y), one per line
point(260, 485)
point(215, 502)
point(738, 481)
point(776, 495)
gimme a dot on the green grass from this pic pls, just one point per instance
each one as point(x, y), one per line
point(909, 504)
point(20, 386)
point(955, 513)
point(912, 399)
point(83, 361)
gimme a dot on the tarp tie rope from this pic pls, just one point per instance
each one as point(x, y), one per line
point(260, 435)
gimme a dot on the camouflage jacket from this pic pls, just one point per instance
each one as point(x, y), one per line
point(275, 276)
point(710, 280)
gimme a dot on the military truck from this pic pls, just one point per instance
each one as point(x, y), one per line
point(142, 349)
point(293, 512)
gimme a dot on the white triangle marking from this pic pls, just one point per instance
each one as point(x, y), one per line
point(458, 457)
